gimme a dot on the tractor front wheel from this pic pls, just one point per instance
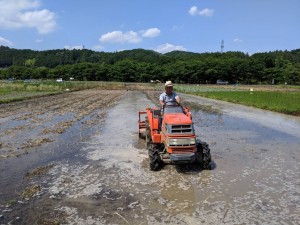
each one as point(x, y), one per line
point(203, 155)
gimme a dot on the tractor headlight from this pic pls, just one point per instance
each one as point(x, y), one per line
point(181, 141)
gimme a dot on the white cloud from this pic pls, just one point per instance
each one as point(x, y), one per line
point(194, 11)
point(151, 33)
point(206, 12)
point(42, 20)
point(120, 37)
point(237, 40)
point(78, 47)
point(129, 36)
point(12, 7)
point(168, 48)
point(16, 14)
point(5, 42)
point(38, 41)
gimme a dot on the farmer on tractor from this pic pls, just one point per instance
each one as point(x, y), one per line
point(168, 96)
point(170, 134)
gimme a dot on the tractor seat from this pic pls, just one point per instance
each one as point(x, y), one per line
point(157, 112)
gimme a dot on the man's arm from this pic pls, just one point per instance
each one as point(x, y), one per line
point(161, 103)
point(161, 100)
point(177, 99)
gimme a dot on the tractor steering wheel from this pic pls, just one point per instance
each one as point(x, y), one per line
point(171, 103)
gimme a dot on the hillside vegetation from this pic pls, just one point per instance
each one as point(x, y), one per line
point(139, 65)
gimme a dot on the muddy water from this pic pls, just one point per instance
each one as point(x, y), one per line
point(255, 179)
point(257, 153)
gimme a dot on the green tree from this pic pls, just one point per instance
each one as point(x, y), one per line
point(30, 63)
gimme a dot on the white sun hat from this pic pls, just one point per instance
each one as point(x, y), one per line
point(169, 84)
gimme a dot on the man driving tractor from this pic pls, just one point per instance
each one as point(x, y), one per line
point(168, 96)
point(170, 134)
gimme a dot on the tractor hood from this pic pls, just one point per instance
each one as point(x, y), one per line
point(177, 118)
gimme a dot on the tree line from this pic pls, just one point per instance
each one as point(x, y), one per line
point(139, 65)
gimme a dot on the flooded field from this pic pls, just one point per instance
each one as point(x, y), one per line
point(77, 159)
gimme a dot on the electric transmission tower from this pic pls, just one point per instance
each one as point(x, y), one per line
point(222, 46)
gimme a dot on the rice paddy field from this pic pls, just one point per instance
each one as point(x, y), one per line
point(76, 158)
point(19, 90)
point(283, 99)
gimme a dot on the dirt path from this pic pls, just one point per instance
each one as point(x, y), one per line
point(95, 170)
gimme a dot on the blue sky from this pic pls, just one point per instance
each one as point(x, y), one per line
point(248, 26)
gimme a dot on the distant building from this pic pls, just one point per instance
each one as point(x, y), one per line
point(222, 82)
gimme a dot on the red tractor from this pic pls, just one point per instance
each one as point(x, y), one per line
point(170, 137)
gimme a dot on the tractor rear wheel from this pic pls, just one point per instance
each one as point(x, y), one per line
point(154, 159)
point(203, 155)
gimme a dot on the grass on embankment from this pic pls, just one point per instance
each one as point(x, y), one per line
point(282, 101)
point(19, 90)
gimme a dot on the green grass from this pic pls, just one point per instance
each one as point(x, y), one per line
point(282, 100)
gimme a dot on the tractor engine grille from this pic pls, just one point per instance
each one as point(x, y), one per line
point(181, 129)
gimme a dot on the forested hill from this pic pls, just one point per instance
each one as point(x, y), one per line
point(141, 65)
point(53, 58)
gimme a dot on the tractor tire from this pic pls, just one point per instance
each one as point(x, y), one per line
point(203, 156)
point(155, 161)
